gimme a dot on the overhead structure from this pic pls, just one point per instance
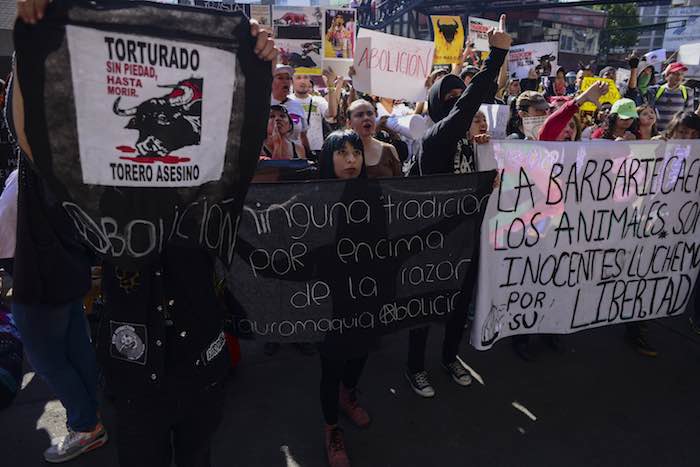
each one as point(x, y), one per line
point(389, 11)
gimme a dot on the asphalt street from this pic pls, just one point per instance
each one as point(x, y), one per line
point(598, 403)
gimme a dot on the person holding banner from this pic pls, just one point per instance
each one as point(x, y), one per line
point(446, 149)
point(343, 357)
point(51, 277)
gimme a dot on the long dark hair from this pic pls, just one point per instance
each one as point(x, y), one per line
point(609, 132)
point(334, 142)
point(635, 126)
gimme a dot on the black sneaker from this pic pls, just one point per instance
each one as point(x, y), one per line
point(420, 383)
point(459, 374)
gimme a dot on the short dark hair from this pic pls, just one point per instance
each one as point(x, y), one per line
point(283, 109)
point(333, 143)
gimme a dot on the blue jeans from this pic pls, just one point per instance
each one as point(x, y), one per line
point(57, 344)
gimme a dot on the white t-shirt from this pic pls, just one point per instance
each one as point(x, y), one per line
point(296, 111)
point(318, 111)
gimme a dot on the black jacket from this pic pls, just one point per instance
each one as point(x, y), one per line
point(162, 326)
point(445, 148)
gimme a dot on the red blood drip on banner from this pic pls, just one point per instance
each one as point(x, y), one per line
point(169, 159)
point(128, 149)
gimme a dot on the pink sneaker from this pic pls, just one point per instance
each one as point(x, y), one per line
point(351, 408)
point(335, 447)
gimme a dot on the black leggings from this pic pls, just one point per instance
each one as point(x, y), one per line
point(332, 373)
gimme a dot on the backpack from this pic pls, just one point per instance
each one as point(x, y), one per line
point(662, 89)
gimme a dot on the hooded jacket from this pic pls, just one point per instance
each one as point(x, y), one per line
point(445, 146)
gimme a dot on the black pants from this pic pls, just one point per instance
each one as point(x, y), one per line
point(150, 428)
point(454, 327)
point(332, 373)
point(418, 339)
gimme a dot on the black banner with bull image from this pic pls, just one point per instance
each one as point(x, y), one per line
point(356, 258)
point(136, 113)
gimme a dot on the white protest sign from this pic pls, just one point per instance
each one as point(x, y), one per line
point(478, 29)
point(392, 66)
point(656, 58)
point(622, 78)
point(522, 58)
point(583, 235)
point(532, 125)
point(148, 111)
point(689, 55)
point(497, 118)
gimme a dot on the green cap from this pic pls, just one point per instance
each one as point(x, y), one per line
point(625, 109)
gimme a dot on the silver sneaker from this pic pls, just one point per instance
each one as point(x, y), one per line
point(420, 383)
point(459, 374)
point(76, 443)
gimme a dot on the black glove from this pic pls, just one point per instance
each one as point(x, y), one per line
point(633, 62)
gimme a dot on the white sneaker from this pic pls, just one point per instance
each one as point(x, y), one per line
point(76, 443)
point(420, 383)
point(459, 374)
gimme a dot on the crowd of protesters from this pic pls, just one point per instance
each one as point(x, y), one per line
point(172, 401)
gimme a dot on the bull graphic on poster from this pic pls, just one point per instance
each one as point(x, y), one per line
point(297, 60)
point(169, 122)
point(297, 19)
point(448, 31)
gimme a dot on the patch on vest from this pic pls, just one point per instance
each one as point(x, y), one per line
point(214, 348)
point(128, 342)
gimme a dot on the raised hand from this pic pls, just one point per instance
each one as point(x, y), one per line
point(31, 11)
point(499, 38)
point(264, 45)
point(592, 94)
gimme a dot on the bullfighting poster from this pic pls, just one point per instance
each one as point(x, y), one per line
point(146, 114)
point(301, 54)
point(339, 34)
point(298, 37)
point(339, 40)
point(449, 39)
point(297, 22)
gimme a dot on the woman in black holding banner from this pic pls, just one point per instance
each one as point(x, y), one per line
point(343, 356)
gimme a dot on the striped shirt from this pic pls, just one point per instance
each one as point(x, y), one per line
point(671, 102)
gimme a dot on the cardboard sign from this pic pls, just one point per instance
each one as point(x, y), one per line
point(612, 96)
point(478, 29)
point(586, 234)
point(355, 259)
point(392, 66)
point(523, 58)
point(448, 34)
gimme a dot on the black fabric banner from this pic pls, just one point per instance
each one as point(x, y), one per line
point(145, 120)
point(356, 258)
